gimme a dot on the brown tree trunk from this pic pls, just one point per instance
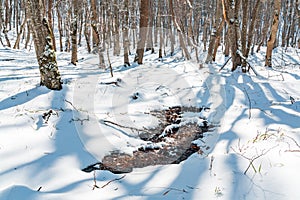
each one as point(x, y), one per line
point(180, 31)
point(50, 76)
point(159, 28)
point(226, 42)
point(94, 20)
point(272, 38)
point(17, 43)
point(80, 22)
point(125, 33)
point(59, 25)
point(116, 27)
point(254, 21)
point(218, 38)
point(28, 34)
point(169, 30)
point(144, 15)
point(87, 32)
point(285, 22)
point(149, 44)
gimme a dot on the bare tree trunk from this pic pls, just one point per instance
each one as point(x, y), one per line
point(226, 41)
point(230, 15)
point(50, 9)
point(50, 76)
point(80, 19)
point(102, 33)
point(94, 20)
point(245, 19)
point(7, 13)
point(67, 28)
point(28, 34)
point(144, 16)
point(159, 28)
point(179, 31)
point(169, 27)
point(215, 33)
point(285, 21)
point(116, 27)
point(218, 38)
point(125, 33)
point(292, 18)
point(59, 22)
point(272, 38)
point(17, 43)
point(149, 44)
point(266, 26)
point(74, 28)
point(252, 27)
point(1, 20)
point(87, 32)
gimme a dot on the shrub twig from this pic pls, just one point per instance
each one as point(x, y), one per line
point(116, 179)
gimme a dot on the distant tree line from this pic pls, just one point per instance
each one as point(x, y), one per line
point(241, 27)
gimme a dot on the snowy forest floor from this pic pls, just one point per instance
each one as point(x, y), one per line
point(48, 137)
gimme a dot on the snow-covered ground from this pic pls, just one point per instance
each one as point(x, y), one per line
point(252, 153)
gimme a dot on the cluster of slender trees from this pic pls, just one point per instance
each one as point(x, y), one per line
point(241, 27)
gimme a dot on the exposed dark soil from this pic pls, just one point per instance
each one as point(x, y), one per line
point(174, 151)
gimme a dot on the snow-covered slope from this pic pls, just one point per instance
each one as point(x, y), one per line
point(253, 152)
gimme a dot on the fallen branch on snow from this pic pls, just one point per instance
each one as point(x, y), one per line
point(116, 179)
point(106, 122)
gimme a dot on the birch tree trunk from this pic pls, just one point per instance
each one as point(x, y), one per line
point(231, 17)
point(272, 38)
point(50, 76)
point(74, 28)
point(215, 33)
point(50, 10)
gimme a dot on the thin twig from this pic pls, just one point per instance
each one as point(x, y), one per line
point(116, 179)
point(293, 150)
point(71, 104)
point(122, 126)
point(224, 64)
point(292, 140)
point(80, 120)
point(251, 160)
point(175, 189)
point(95, 181)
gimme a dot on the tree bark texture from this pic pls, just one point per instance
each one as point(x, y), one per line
point(50, 76)
point(272, 38)
point(144, 16)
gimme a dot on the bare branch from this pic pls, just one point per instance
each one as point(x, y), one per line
point(116, 179)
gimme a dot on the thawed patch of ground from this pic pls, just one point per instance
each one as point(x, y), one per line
point(169, 143)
